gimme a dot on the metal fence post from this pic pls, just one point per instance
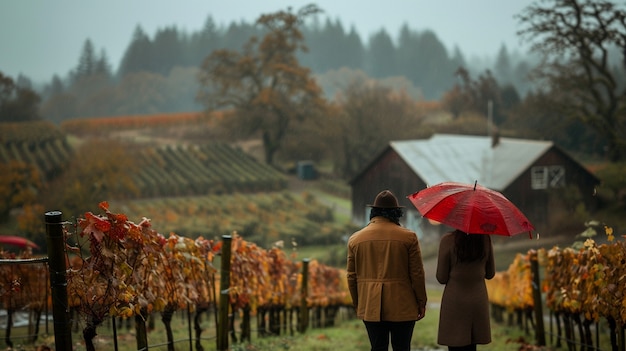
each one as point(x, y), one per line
point(58, 281)
point(222, 327)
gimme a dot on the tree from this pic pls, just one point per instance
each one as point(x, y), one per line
point(60, 106)
point(409, 54)
point(17, 104)
point(475, 96)
point(435, 67)
point(139, 54)
point(381, 60)
point(91, 66)
point(201, 44)
point(87, 61)
point(369, 116)
point(331, 47)
point(536, 118)
point(575, 39)
point(503, 65)
point(614, 179)
point(19, 185)
point(264, 84)
point(168, 43)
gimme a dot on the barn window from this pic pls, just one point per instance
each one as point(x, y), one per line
point(544, 177)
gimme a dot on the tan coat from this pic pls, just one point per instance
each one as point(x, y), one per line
point(385, 272)
point(464, 316)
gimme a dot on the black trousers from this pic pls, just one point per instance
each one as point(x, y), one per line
point(401, 334)
point(471, 347)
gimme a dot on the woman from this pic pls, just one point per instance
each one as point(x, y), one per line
point(463, 264)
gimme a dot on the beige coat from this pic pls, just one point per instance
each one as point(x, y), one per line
point(385, 272)
point(464, 317)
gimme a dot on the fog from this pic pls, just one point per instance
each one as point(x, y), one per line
point(43, 38)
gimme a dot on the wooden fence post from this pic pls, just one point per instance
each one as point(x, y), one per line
point(58, 281)
point(304, 308)
point(222, 326)
point(540, 334)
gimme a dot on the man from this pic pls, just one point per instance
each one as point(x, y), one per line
point(386, 276)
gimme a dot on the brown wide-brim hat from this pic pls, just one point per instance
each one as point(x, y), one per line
point(386, 199)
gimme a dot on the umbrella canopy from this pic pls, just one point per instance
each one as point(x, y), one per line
point(472, 209)
point(17, 241)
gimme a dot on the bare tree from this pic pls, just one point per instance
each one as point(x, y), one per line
point(369, 116)
point(578, 40)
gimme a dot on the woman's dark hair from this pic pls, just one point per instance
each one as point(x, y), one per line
point(469, 247)
point(392, 214)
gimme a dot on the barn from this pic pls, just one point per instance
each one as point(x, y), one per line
point(534, 174)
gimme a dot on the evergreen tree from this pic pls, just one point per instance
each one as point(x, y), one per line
point(89, 79)
point(103, 67)
point(457, 58)
point(203, 43)
point(333, 48)
point(87, 62)
point(238, 34)
point(169, 51)
point(436, 70)
point(381, 59)
point(138, 55)
point(409, 54)
point(353, 50)
point(23, 82)
point(503, 68)
point(56, 86)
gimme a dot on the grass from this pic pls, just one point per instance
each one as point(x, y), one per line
point(347, 335)
point(331, 255)
point(341, 205)
point(350, 335)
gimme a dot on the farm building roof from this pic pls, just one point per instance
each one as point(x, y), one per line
point(466, 158)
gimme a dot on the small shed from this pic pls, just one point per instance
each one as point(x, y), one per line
point(527, 172)
point(306, 170)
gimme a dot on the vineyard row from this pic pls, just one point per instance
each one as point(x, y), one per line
point(202, 169)
point(121, 269)
point(580, 286)
point(47, 156)
point(85, 126)
point(171, 170)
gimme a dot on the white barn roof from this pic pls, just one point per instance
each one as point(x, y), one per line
point(465, 158)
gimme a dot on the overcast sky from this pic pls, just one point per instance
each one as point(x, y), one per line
point(40, 38)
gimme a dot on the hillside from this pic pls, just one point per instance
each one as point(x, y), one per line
point(167, 163)
point(178, 173)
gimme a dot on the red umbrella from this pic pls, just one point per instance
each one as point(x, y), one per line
point(472, 209)
point(17, 241)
